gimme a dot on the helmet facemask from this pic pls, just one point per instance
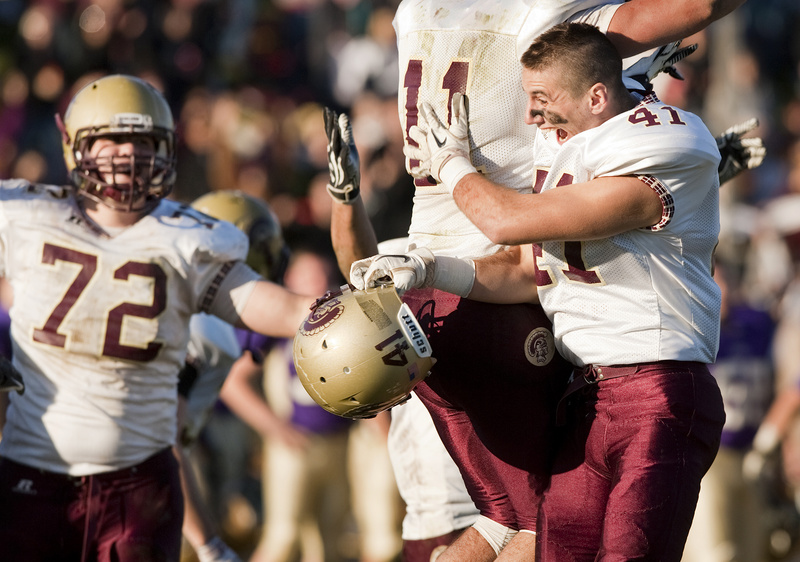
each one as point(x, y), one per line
point(120, 109)
point(152, 170)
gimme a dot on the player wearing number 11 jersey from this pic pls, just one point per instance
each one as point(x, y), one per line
point(497, 358)
point(474, 48)
point(492, 393)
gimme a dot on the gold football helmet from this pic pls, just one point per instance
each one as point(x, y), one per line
point(359, 353)
point(268, 254)
point(120, 107)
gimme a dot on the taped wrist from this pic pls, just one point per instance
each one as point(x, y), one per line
point(452, 275)
point(497, 535)
point(454, 169)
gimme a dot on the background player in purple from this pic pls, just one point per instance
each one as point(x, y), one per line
point(732, 511)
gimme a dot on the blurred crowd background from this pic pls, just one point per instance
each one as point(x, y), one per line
point(247, 80)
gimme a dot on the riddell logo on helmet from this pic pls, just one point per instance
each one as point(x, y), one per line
point(134, 121)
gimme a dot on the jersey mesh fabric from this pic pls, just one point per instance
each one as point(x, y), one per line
point(488, 37)
point(651, 287)
point(129, 299)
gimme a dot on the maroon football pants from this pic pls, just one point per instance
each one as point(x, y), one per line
point(129, 515)
point(626, 478)
point(492, 396)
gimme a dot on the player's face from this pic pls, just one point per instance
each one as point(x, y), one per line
point(551, 107)
point(113, 156)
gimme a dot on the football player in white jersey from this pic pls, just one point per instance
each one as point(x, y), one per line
point(623, 220)
point(474, 47)
point(216, 349)
point(106, 275)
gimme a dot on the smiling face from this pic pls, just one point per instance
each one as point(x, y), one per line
point(553, 108)
point(117, 158)
point(118, 138)
point(572, 77)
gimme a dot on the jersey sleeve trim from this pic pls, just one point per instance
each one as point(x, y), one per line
point(667, 202)
point(213, 287)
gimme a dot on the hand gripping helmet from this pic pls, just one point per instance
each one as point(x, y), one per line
point(120, 106)
point(361, 352)
point(268, 254)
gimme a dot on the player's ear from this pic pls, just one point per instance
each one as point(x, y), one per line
point(598, 98)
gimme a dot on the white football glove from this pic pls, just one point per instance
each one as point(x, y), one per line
point(406, 271)
point(666, 58)
point(644, 70)
point(216, 551)
point(738, 153)
point(418, 158)
point(754, 466)
point(440, 145)
point(417, 269)
point(766, 445)
point(343, 160)
point(10, 378)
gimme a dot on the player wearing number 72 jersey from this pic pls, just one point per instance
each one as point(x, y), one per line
point(106, 275)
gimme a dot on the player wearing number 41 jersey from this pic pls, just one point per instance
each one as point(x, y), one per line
point(623, 230)
point(106, 275)
point(632, 278)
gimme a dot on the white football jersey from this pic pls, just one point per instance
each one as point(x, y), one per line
point(474, 47)
point(213, 349)
point(648, 294)
point(436, 498)
point(100, 325)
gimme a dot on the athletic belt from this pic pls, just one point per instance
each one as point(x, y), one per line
point(588, 376)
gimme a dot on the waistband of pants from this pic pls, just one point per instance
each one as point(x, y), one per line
point(589, 375)
point(152, 463)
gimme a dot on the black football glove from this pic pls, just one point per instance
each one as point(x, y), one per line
point(343, 161)
point(737, 153)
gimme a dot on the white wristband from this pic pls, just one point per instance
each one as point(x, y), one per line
point(454, 169)
point(454, 275)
